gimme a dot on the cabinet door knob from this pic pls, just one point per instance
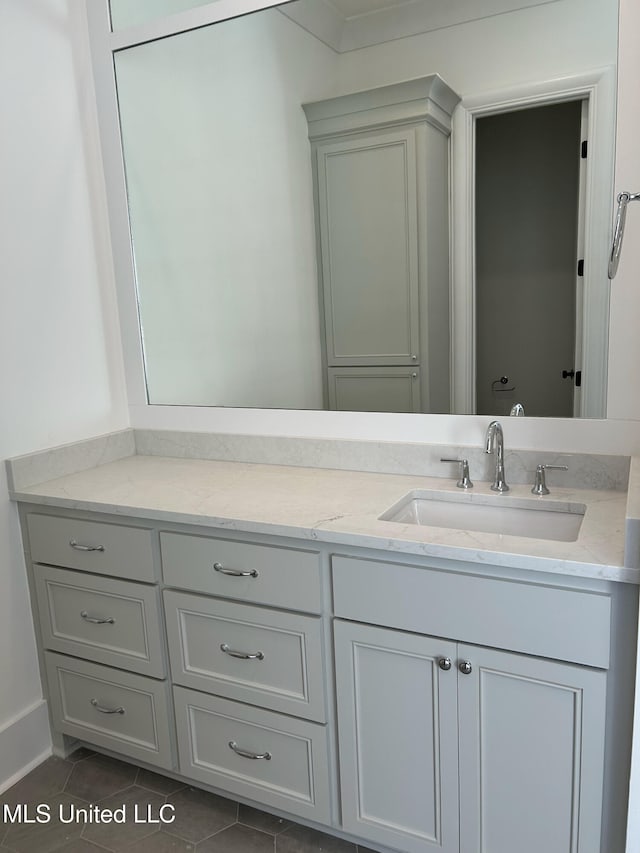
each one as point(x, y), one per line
point(465, 667)
point(445, 664)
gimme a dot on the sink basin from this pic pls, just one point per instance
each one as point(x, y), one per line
point(559, 520)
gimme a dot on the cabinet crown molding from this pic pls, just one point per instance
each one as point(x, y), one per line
point(427, 99)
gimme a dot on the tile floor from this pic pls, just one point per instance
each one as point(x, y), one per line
point(204, 823)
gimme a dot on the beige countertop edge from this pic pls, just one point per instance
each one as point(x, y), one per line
point(597, 554)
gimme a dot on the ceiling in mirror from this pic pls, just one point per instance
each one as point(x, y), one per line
point(352, 24)
point(289, 199)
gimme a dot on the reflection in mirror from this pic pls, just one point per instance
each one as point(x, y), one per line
point(240, 232)
point(132, 13)
point(528, 203)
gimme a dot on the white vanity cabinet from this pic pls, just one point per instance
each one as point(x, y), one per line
point(450, 746)
point(411, 706)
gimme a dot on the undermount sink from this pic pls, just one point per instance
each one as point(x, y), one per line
point(559, 520)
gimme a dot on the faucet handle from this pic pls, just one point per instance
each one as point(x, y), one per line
point(465, 481)
point(540, 485)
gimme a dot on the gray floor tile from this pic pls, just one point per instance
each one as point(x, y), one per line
point(204, 823)
point(162, 842)
point(79, 845)
point(301, 839)
point(46, 837)
point(199, 814)
point(263, 821)
point(47, 779)
point(98, 777)
point(238, 839)
point(80, 754)
point(139, 805)
point(156, 782)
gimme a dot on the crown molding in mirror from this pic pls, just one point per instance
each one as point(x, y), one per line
point(343, 32)
point(427, 99)
point(326, 23)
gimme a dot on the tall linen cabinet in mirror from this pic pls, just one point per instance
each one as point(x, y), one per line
point(381, 191)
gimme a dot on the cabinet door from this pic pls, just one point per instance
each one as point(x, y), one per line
point(368, 215)
point(397, 730)
point(531, 754)
point(374, 389)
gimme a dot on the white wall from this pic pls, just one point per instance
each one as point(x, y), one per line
point(60, 362)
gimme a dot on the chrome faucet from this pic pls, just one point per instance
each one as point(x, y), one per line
point(495, 444)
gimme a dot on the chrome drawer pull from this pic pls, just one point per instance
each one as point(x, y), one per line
point(96, 620)
point(79, 547)
point(243, 655)
point(244, 754)
point(94, 702)
point(235, 573)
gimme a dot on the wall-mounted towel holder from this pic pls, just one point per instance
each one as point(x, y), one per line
point(618, 232)
point(504, 380)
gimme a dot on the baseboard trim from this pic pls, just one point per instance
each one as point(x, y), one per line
point(25, 742)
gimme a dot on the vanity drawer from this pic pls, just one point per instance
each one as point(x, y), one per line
point(263, 574)
point(570, 625)
point(262, 657)
point(109, 621)
point(117, 710)
point(107, 549)
point(295, 776)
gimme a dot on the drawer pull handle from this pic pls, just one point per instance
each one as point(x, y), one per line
point(235, 573)
point(242, 655)
point(96, 619)
point(94, 702)
point(255, 756)
point(78, 547)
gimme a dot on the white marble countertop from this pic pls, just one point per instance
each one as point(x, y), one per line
point(336, 506)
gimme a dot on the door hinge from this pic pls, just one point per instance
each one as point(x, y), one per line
point(581, 266)
point(573, 374)
point(583, 150)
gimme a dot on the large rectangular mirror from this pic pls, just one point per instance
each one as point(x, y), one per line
point(242, 235)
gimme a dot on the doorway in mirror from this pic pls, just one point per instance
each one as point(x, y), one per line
point(529, 234)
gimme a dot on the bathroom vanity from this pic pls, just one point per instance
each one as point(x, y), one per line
point(261, 631)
